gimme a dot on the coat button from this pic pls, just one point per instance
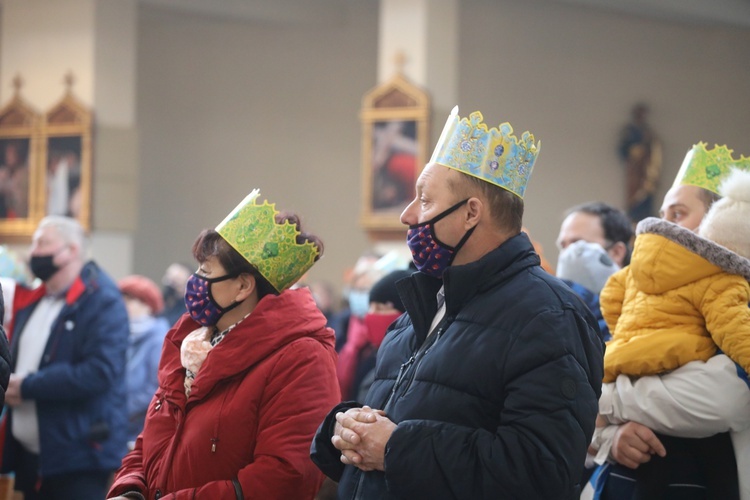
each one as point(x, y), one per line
point(568, 388)
point(157, 495)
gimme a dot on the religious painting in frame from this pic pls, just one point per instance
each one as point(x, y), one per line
point(21, 191)
point(395, 117)
point(67, 160)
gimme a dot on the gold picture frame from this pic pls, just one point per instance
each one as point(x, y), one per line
point(395, 136)
point(67, 159)
point(45, 164)
point(20, 179)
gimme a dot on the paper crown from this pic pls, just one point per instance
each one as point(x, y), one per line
point(271, 248)
point(707, 168)
point(494, 155)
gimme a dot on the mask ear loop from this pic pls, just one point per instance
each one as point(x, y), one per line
point(439, 216)
point(460, 244)
point(210, 281)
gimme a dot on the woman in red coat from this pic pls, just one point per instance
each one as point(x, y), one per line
point(245, 377)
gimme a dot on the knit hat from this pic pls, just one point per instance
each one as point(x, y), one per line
point(728, 221)
point(587, 264)
point(384, 291)
point(143, 289)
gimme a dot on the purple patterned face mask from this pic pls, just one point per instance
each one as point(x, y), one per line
point(430, 255)
point(200, 303)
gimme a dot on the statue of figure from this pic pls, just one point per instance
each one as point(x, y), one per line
point(640, 150)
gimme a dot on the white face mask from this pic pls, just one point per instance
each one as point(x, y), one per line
point(359, 302)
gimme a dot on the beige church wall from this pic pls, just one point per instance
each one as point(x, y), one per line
point(93, 41)
point(225, 107)
point(33, 25)
point(571, 75)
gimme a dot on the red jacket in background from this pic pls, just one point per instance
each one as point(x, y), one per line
point(254, 407)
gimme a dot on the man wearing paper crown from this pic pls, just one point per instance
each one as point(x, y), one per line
point(245, 375)
point(696, 186)
point(705, 400)
point(487, 387)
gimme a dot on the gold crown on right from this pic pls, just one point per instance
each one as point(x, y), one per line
point(706, 168)
point(494, 155)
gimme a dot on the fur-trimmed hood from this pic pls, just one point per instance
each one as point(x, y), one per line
point(667, 256)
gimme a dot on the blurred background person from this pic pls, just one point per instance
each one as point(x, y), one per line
point(355, 292)
point(173, 283)
point(585, 267)
point(144, 303)
point(66, 394)
point(598, 222)
point(385, 308)
point(356, 329)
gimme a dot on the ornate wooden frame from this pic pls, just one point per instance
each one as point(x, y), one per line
point(67, 125)
point(401, 108)
point(20, 123)
point(68, 128)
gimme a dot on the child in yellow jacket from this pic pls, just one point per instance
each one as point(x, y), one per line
point(683, 294)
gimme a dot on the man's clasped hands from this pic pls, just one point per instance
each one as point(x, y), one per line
point(361, 434)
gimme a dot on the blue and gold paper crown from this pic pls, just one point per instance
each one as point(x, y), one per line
point(494, 155)
point(271, 248)
point(707, 168)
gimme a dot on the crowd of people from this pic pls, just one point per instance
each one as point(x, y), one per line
point(472, 372)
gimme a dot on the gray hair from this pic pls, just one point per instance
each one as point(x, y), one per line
point(69, 229)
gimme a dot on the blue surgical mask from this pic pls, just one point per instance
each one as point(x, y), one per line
point(359, 302)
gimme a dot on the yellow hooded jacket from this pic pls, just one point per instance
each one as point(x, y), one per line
point(661, 308)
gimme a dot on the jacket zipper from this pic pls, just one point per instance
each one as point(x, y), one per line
point(407, 368)
point(435, 339)
point(415, 359)
point(215, 439)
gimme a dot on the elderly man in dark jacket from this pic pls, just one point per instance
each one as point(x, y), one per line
point(67, 426)
point(487, 387)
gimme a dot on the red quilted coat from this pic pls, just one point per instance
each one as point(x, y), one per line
point(245, 430)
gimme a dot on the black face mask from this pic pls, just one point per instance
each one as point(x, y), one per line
point(43, 267)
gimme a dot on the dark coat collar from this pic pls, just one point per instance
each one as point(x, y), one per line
point(463, 283)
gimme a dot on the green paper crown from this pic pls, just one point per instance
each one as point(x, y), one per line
point(270, 247)
point(707, 168)
point(494, 155)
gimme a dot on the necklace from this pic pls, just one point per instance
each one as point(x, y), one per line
point(218, 336)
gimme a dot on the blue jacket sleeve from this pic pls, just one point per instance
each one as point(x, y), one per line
point(99, 329)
